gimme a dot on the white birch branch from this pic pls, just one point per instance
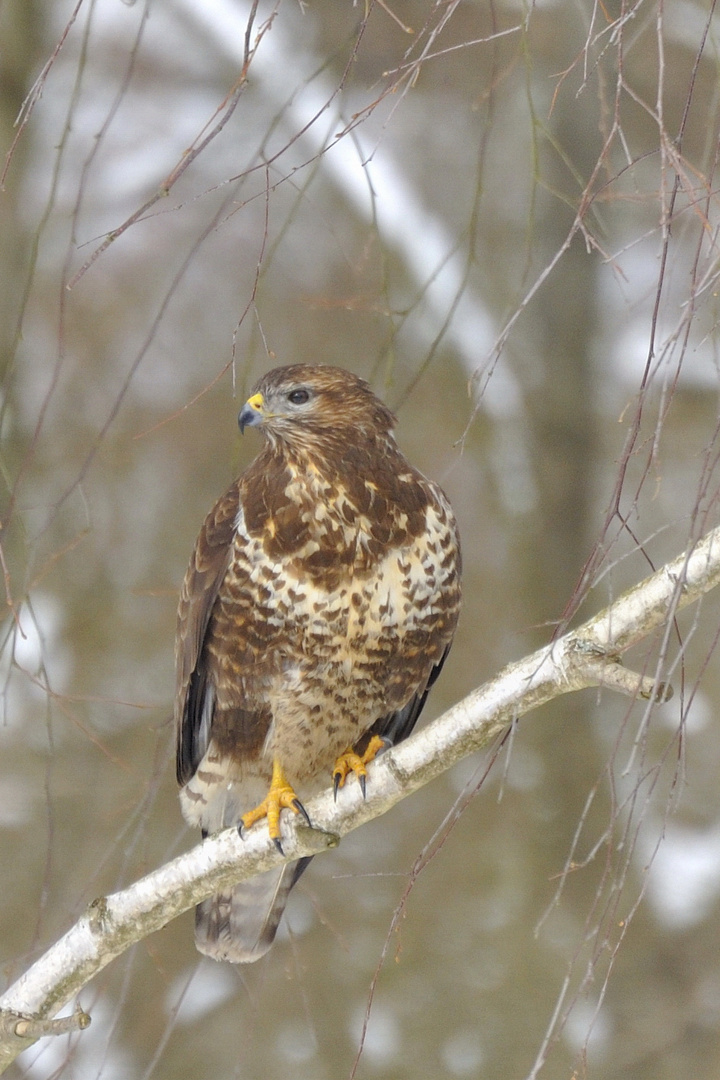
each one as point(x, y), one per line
point(588, 656)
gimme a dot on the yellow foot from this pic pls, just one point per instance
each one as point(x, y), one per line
point(280, 796)
point(350, 762)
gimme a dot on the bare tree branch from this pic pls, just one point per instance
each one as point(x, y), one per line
point(588, 656)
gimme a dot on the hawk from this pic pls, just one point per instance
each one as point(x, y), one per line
point(318, 608)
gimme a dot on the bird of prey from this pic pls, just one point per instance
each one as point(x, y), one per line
point(319, 605)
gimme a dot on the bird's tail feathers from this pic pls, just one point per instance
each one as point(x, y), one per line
point(239, 925)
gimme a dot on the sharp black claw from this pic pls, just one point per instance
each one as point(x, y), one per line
point(303, 812)
point(241, 830)
point(361, 781)
point(278, 844)
point(336, 784)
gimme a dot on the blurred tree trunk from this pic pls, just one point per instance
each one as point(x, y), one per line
point(20, 25)
point(562, 418)
point(561, 403)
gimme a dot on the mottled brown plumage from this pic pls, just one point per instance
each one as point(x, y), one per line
point(318, 607)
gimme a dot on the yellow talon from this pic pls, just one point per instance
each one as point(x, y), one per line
point(350, 762)
point(280, 796)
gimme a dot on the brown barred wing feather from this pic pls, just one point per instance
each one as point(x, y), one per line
point(208, 566)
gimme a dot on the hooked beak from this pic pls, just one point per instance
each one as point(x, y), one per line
point(251, 414)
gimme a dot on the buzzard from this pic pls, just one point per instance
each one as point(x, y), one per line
point(316, 613)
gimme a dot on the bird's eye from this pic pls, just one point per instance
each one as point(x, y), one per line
point(298, 397)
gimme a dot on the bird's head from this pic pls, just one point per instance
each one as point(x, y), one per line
point(303, 403)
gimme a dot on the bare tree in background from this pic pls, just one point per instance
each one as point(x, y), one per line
point(444, 198)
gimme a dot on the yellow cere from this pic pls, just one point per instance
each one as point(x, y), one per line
point(256, 401)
